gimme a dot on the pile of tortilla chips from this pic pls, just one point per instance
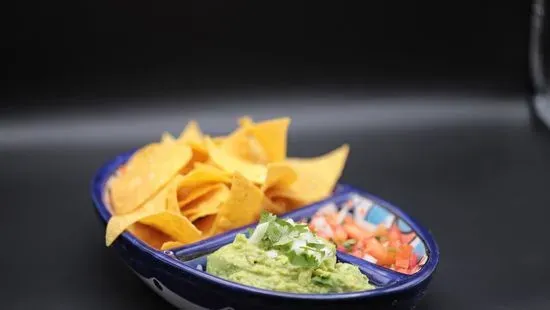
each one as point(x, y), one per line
point(181, 190)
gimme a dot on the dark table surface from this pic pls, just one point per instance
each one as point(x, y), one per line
point(468, 167)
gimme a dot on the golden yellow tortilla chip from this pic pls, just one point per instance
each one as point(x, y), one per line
point(169, 245)
point(200, 149)
point(202, 175)
point(211, 163)
point(207, 204)
point(272, 137)
point(154, 213)
point(174, 225)
point(273, 207)
point(191, 133)
point(218, 140)
point(243, 206)
point(118, 223)
point(205, 224)
point(149, 169)
point(316, 177)
point(245, 121)
point(194, 138)
point(281, 174)
point(172, 194)
point(254, 172)
point(167, 138)
point(282, 192)
point(148, 234)
point(186, 197)
point(285, 197)
point(197, 157)
point(209, 166)
point(288, 203)
point(243, 145)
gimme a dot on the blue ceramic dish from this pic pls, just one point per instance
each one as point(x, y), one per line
point(177, 275)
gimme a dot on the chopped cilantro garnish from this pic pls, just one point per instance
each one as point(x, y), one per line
point(249, 232)
point(295, 240)
point(348, 244)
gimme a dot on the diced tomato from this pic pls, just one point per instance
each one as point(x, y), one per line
point(395, 243)
point(381, 231)
point(402, 263)
point(340, 235)
point(402, 270)
point(394, 234)
point(359, 244)
point(391, 254)
point(321, 227)
point(357, 253)
point(332, 219)
point(356, 232)
point(406, 250)
point(341, 248)
point(323, 235)
point(406, 238)
point(413, 260)
point(375, 249)
point(349, 220)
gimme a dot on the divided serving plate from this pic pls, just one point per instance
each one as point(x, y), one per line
point(178, 275)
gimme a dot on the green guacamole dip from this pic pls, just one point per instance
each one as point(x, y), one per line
point(268, 268)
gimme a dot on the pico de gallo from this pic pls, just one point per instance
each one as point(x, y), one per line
point(383, 246)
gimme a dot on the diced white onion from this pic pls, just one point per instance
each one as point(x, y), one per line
point(258, 233)
point(369, 258)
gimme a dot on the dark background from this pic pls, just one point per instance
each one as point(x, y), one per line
point(430, 95)
point(138, 48)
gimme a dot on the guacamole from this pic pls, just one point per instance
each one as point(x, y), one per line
point(282, 266)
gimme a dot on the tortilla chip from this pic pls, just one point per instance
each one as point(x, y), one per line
point(255, 172)
point(273, 207)
point(209, 165)
point(172, 194)
point(147, 171)
point(272, 136)
point(275, 192)
point(208, 204)
point(187, 196)
point(193, 137)
point(167, 138)
point(191, 133)
point(288, 203)
point(245, 121)
point(205, 224)
point(148, 234)
point(218, 140)
point(243, 145)
point(243, 206)
point(154, 213)
point(118, 223)
point(316, 177)
point(174, 225)
point(285, 198)
point(203, 174)
point(199, 150)
point(169, 245)
point(281, 174)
